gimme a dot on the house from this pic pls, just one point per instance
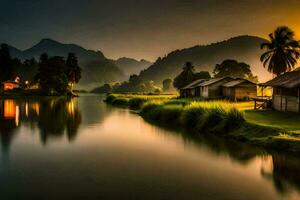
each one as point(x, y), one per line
point(190, 90)
point(239, 89)
point(10, 85)
point(286, 91)
point(212, 89)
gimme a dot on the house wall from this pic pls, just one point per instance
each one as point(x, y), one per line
point(204, 92)
point(242, 92)
point(228, 92)
point(215, 90)
point(286, 103)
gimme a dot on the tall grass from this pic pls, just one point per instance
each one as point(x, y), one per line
point(199, 116)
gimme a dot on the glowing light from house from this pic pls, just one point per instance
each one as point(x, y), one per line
point(17, 79)
point(10, 85)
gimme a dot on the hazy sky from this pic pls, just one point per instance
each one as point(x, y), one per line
point(141, 28)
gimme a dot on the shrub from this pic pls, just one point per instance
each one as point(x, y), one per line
point(120, 102)
point(136, 103)
point(234, 119)
point(171, 114)
point(151, 110)
point(192, 115)
point(213, 118)
point(110, 98)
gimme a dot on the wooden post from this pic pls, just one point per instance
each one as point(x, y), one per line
point(298, 99)
point(280, 99)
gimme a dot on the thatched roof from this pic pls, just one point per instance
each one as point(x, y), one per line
point(191, 85)
point(287, 80)
point(214, 80)
point(237, 82)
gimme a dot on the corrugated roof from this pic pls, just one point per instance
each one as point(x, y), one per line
point(236, 82)
point(287, 80)
point(191, 85)
point(212, 81)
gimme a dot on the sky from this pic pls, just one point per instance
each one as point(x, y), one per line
point(141, 29)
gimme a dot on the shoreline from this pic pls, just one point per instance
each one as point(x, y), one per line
point(228, 123)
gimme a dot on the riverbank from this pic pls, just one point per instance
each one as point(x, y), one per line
point(230, 120)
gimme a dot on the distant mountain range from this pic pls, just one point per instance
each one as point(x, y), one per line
point(132, 66)
point(97, 69)
point(205, 57)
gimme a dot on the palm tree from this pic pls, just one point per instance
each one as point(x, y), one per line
point(282, 51)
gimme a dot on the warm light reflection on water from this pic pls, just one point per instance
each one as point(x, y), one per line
point(9, 109)
point(83, 148)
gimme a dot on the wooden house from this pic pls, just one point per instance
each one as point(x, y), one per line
point(239, 89)
point(286, 91)
point(212, 89)
point(190, 90)
point(10, 85)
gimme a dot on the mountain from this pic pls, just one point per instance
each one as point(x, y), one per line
point(96, 68)
point(131, 66)
point(205, 57)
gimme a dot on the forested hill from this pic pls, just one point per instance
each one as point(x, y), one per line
point(205, 57)
point(97, 69)
point(131, 66)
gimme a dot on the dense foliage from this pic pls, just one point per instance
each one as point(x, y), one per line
point(205, 57)
point(233, 68)
point(56, 75)
point(188, 75)
point(282, 51)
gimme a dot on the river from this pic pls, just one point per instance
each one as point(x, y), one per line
point(54, 148)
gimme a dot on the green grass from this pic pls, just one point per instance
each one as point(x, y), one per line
point(238, 120)
point(283, 120)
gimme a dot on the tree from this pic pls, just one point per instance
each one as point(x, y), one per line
point(51, 74)
point(282, 51)
point(202, 75)
point(135, 80)
point(167, 84)
point(185, 77)
point(73, 71)
point(234, 69)
point(6, 64)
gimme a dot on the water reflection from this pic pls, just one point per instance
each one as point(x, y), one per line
point(54, 117)
point(118, 154)
point(282, 169)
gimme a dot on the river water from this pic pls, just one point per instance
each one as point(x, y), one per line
point(53, 148)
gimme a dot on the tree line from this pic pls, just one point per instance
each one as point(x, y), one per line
point(55, 75)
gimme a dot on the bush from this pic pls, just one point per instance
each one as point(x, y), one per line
point(136, 103)
point(212, 119)
point(171, 114)
point(110, 98)
point(234, 119)
point(120, 102)
point(151, 111)
point(192, 115)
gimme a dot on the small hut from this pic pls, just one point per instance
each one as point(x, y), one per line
point(286, 91)
point(239, 89)
point(190, 90)
point(212, 89)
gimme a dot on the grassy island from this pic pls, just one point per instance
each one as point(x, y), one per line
point(269, 129)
